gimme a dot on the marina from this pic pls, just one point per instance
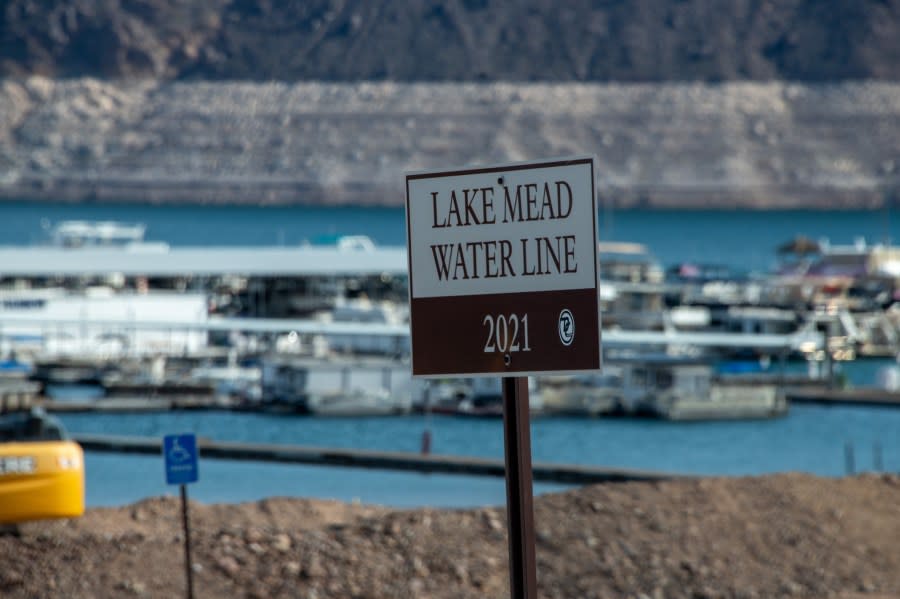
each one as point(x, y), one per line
point(864, 396)
point(142, 337)
point(323, 329)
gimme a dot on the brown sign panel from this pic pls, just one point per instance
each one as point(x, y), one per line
point(503, 270)
point(493, 334)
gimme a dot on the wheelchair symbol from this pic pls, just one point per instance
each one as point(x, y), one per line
point(177, 453)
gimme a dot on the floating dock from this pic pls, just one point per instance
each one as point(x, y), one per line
point(350, 458)
point(862, 396)
point(137, 404)
point(17, 395)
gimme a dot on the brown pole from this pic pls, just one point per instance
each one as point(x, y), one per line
point(519, 501)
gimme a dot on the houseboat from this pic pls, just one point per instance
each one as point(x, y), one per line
point(98, 322)
point(81, 233)
point(591, 395)
point(632, 290)
point(675, 388)
point(338, 385)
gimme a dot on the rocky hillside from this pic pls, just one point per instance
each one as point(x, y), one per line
point(767, 104)
point(750, 144)
point(453, 40)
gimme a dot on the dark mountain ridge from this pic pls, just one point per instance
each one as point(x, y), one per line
point(453, 40)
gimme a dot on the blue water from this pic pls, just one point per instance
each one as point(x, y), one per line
point(809, 439)
point(193, 225)
point(743, 240)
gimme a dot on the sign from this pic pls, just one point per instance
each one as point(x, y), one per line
point(180, 452)
point(503, 269)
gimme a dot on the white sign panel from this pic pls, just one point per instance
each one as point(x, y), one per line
point(504, 231)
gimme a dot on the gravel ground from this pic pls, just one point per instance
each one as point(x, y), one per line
point(788, 535)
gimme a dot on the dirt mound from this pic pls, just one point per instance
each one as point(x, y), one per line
point(774, 536)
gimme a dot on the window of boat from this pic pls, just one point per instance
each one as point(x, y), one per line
point(664, 379)
point(639, 377)
point(699, 383)
point(637, 302)
point(688, 379)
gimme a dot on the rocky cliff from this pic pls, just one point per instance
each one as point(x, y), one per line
point(792, 103)
point(676, 144)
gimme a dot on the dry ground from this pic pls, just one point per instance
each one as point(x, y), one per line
point(775, 536)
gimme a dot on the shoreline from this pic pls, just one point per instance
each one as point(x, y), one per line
point(738, 144)
point(305, 194)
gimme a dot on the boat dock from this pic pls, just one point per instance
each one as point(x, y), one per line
point(795, 395)
point(16, 395)
point(351, 458)
point(150, 328)
point(127, 405)
point(860, 396)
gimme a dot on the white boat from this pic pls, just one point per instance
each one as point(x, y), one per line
point(632, 290)
point(81, 233)
point(357, 402)
point(685, 389)
point(363, 311)
point(230, 379)
point(99, 323)
point(589, 395)
point(480, 397)
point(338, 385)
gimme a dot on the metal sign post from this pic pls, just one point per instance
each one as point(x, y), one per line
point(519, 504)
point(180, 453)
point(503, 282)
point(188, 568)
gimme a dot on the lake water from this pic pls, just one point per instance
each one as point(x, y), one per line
point(809, 439)
point(743, 240)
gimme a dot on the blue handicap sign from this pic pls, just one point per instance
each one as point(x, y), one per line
point(180, 453)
